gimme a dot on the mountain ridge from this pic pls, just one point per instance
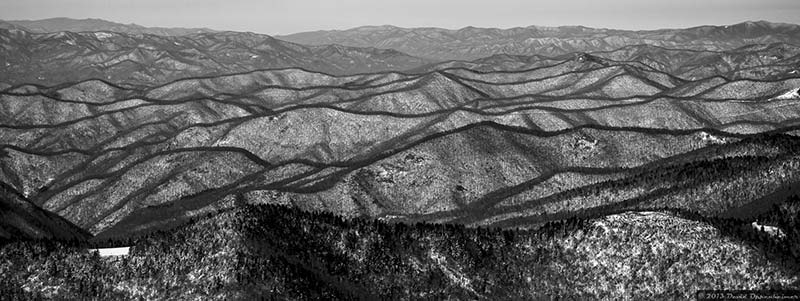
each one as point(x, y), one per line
point(147, 59)
point(53, 25)
point(472, 43)
point(320, 135)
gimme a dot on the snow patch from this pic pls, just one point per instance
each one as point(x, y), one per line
point(389, 217)
point(711, 138)
point(585, 143)
point(106, 252)
point(791, 94)
point(771, 230)
point(103, 35)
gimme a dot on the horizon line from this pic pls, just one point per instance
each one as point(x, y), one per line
point(403, 27)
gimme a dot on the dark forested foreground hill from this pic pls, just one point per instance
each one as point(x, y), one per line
point(269, 251)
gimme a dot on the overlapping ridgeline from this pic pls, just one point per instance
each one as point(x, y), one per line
point(140, 57)
point(474, 43)
point(760, 61)
point(40, 54)
point(540, 140)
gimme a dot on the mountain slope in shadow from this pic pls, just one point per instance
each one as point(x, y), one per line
point(22, 220)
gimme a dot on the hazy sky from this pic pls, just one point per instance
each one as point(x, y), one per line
point(289, 16)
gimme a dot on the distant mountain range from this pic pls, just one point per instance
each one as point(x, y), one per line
point(66, 24)
point(54, 58)
point(51, 58)
point(472, 43)
point(61, 50)
point(758, 61)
